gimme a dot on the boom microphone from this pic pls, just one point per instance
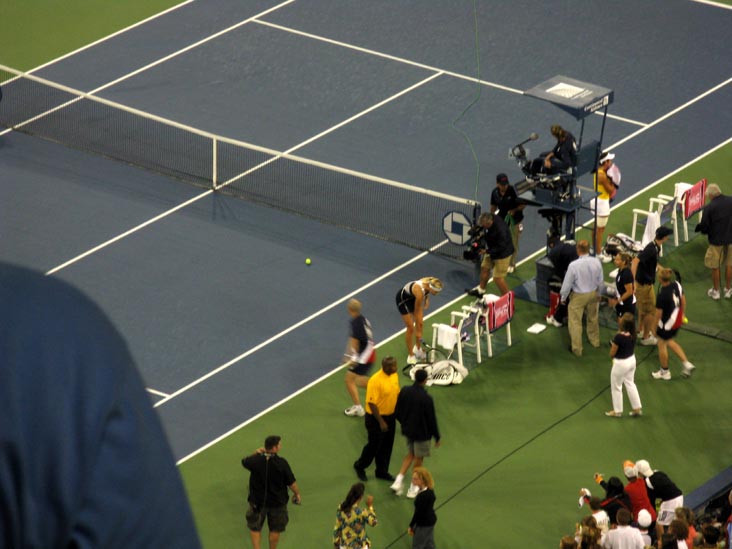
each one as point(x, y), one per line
point(533, 136)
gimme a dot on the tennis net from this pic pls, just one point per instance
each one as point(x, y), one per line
point(370, 205)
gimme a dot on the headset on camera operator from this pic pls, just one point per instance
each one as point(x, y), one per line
point(491, 240)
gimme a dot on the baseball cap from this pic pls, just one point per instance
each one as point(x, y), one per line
point(644, 468)
point(663, 232)
point(644, 518)
point(502, 179)
point(629, 469)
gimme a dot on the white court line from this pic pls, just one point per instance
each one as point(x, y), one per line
point(671, 113)
point(157, 393)
point(396, 334)
point(110, 36)
point(295, 326)
point(414, 63)
point(206, 193)
point(715, 4)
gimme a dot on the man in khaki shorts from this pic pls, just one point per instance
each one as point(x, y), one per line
point(716, 223)
point(497, 247)
point(644, 268)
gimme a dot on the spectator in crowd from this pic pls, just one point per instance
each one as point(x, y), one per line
point(588, 535)
point(644, 526)
point(497, 249)
point(624, 303)
point(624, 536)
point(382, 392)
point(422, 525)
point(415, 411)
point(716, 223)
point(711, 536)
point(670, 307)
point(668, 541)
point(561, 254)
point(84, 461)
point(505, 202)
point(583, 281)
point(680, 531)
point(622, 352)
point(349, 531)
point(687, 515)
point(360, 354)
point(269, 480)
point(637, 493)
point(660, 487)
point(644, 267)
point(568, 542)
point(599, 515)
point(412, 300)
point(601, 204)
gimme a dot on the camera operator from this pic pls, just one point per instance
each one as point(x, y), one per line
point(270, 478)
point(504, 201)
point(492, 238)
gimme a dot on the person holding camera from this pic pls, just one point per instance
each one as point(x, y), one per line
point(493, 241)
point(505, 201)
point(270, 478)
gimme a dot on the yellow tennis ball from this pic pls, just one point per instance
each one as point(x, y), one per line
point(686, 320)
point(307, 261)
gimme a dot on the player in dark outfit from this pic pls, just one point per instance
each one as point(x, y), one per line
point(360, 354)
point(670, 307)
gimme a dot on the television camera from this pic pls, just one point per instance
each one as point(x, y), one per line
point(476, 244)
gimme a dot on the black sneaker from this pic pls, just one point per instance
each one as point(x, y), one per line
point(360, 473)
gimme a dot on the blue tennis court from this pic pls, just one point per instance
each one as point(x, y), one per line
point(222, 314)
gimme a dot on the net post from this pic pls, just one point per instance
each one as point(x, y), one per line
point(214, 182)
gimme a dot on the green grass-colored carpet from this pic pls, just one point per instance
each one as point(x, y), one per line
point(522, 434)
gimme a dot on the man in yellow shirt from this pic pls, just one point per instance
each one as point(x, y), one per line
point(381, 396)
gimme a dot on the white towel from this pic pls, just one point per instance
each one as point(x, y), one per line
point(652, 223)
point(447, 336)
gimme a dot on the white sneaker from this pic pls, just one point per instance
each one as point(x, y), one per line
point(728, 293)
point(714, 294)
point(411, 359)
point(649, 341)
point(662, 374)
point(397, 487)
point(688, 369)
point(420, 354)
point(413, 491)
point(553, 321)
point(355, 410)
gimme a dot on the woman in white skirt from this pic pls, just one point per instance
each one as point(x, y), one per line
point(622, 351)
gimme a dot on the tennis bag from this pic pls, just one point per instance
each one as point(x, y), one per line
point(442, 372)
point(620, 242)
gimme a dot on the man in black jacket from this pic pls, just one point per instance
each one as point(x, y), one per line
point(497, 248)
point(716, 223)
point(270, 478)
point(415, 411)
